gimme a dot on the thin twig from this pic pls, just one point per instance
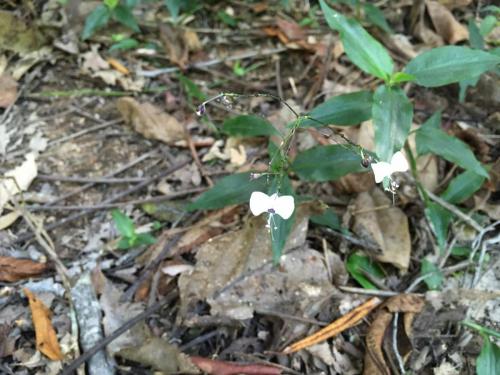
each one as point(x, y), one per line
point(395, 343)
point(27, 236)
point(369, 292)
point(204, 64)
point(450, 207)
point(125, 327)
point(103, 206)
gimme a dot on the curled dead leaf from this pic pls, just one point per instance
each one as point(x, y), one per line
point(150, 121)
point(46, 338)
point(13, 269)
point(375, 357)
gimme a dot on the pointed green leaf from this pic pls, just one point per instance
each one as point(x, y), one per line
point(279, 227)
point(326, 163)
point(439, 219)
point(328, 219)
point(400, 77)
point(487, 25)
point(123, 223)
point(475, 38)
point(444, 65)
point(488, 362)
point(346, 109)
point(376, 17)
point(431, 139)
point(434, 275)
point(248, 126)
point(392, 114)
point(363, 50)
point(462, 187)
point(145, 239)
point(95, 20)
point(234, 189)
point(124, 15)
point(359, 265)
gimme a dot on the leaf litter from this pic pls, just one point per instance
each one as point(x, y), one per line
point(221, 264)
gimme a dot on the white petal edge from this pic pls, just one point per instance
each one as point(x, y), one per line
point(284, 206)
point(259, 203)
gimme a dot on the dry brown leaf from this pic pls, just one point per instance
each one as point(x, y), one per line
point(161, 355)
point(150, 121)
point(8, 91)
point(234, 273)
point(409, 304)
point(292, 30)
point(117, 65)
point(178, 43)
point(452, 4)
point(13, 269)
point(378, 220)
point(445, 23)
point(46, 338)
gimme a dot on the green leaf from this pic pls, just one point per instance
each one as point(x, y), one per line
point(444, 65)
point(328, 219)
point(125, 243)
point(487, 25)
point(439, 219)
point(346, 109)
point(144, 239)
point(464, 84)
point(376, 17)
point(95, 20)
point(124, 44)
point(277, 163)
point(173, 7)
point(488, 362)
point(248, 126)
point(392, 114)
point(491, 8)
point(124, 15)
point(431, 139)
point(435, 278)
point(400, 77)
point(234, 189)
point(111, 4)
point(359, 265)
point(279, 227)
point(475, 38)
point(326, 163)
point(461, 251)
point(227, 19)
point(191, 89)
point(363, 50)
point(462, 187)
point(123, 223)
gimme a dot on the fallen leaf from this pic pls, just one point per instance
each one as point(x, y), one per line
point(409, 305)
point(18, 36)
point(92, 61)
point(378, 220)
point(8, 219)
point(17, 180)
point(161, 355)
point(46, 338)
point(29, 60)
point(8, 91)
point(445, 23)
point(291, 29)
point(215, 367)
point(452, 4)
point(178, 43)
point(14, 269)
point(234, 273)
point(150, 121)
point(117, 65)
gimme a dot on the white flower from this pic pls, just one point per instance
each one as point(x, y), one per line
point(282, 206)
point(383, 169)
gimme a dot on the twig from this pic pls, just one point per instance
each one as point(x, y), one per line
point(136, 202)
point(450, 207)
point(369, 292)
point(91, 184)
point(27, 236)
point(395, 343)
point(204, 64)
point(197, 160)
point(125, 327)
point(94, 180)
